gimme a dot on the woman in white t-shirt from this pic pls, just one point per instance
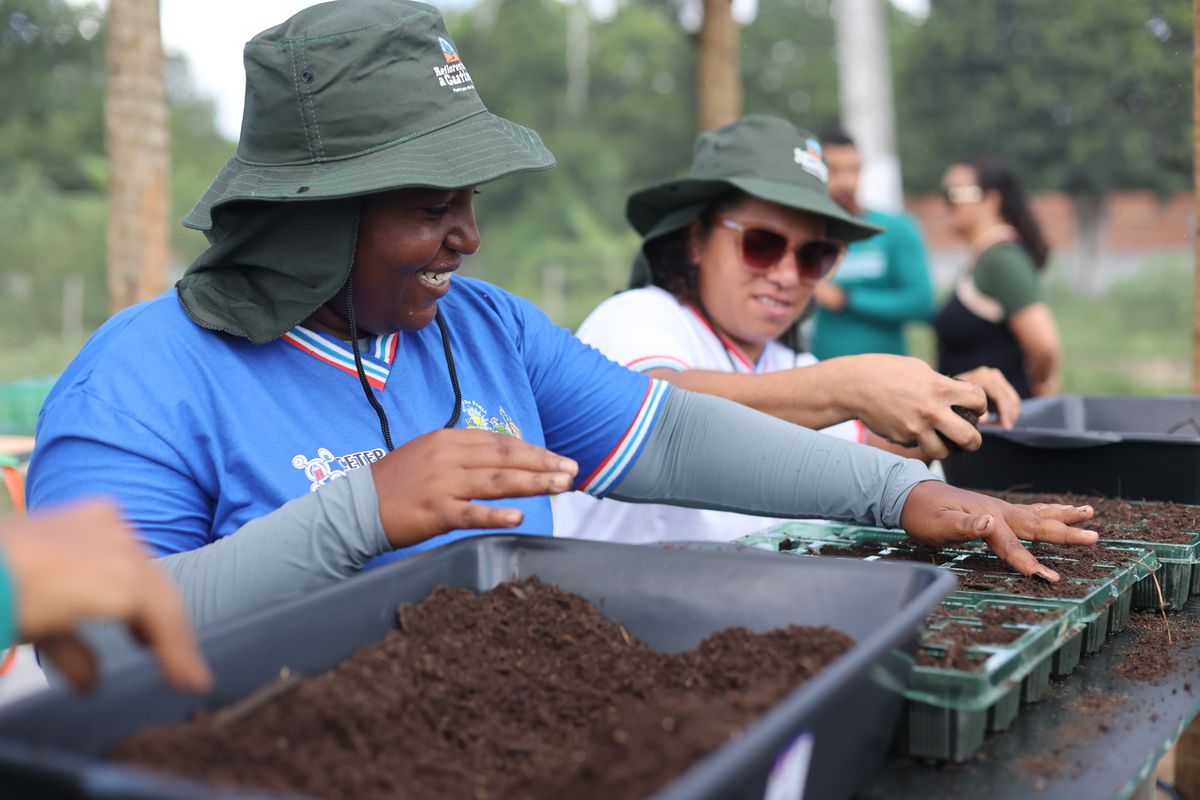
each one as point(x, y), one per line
point(733, 253)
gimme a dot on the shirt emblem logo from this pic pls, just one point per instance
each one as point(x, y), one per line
point(478, 417)
point(320, 470)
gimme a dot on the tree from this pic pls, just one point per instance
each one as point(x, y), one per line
point(719, 79)
point(135, 121)
point(1082, 97)
point(789, 67)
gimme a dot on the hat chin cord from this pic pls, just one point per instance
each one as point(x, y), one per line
point(384, 426)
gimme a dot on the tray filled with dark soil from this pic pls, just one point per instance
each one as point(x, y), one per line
point(979, 660)
point(1143, 448)
point(513, 666)
point(1100, 580)
point(1171, 530)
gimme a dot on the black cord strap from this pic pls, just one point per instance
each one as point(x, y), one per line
point(384, 426)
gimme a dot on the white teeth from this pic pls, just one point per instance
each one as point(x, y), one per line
point(435, 278)
point(771, 301)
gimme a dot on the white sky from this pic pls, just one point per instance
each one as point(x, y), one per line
point(211, 34)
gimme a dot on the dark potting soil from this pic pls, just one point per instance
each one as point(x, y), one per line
point(970, 416)
point(907, 551)
point(1115, 518)
point(1013, 583)
point(957, 636)
point(526, 691)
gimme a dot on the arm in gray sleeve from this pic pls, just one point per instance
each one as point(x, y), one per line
point(310, 542)
point(707, 452)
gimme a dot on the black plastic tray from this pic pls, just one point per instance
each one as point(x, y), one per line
point(1145, 448)
point(670, 598)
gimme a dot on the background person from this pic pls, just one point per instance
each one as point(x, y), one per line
point(995, 316)
point(883, 282)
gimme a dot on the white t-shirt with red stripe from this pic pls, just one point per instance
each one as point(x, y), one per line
point(647, 329)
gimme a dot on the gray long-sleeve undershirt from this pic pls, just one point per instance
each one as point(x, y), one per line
point(704, 452)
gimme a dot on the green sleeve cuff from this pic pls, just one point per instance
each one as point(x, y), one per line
point(8, 606)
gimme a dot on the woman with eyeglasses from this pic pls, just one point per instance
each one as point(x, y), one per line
point(732, 254)
point(996, 317)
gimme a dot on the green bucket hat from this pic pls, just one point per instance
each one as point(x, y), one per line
point(763, 156)
point(344, 99)
point(360, 96)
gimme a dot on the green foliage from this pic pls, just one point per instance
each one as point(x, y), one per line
point(53, 169)
point(634, 129)
point(1084, 97)
point(47, 235)
point(789, 65)
point(52, 59)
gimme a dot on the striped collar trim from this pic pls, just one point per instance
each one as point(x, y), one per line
point(377, 358)
point(738, 355)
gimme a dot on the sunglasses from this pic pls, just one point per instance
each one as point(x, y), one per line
point(762, 249)
point(958, 195)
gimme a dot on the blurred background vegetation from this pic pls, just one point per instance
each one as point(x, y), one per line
point(1080, 97)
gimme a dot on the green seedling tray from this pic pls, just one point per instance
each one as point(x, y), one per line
point(950, 710)
point(1187, 571)
point(798, 538)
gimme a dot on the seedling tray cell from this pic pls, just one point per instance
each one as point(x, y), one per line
point(1175, 578)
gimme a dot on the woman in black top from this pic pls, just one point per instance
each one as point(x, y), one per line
point(996, 317)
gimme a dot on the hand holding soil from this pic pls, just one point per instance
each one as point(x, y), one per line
point(940, 515)
point(427, 486)
point(908, 403)
point(1004, 404)
point(83, 563)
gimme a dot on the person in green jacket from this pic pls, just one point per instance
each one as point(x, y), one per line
point(882, 283)
point(80, 563)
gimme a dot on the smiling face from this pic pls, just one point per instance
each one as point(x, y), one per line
point(409, 242)
point(753, 306)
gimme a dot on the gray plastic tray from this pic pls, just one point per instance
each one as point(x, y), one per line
point(51, 744)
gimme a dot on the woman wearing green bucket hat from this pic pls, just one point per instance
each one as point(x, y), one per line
point(319, 393)
point(733, 253)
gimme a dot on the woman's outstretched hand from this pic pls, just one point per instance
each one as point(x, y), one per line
point(428, 486)
point(940, 515)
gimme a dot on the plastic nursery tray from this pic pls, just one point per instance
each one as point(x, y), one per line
point(1139, 447)
point(51, 744)
point(950, 709)
point(1105, 608)
point(1179, 572)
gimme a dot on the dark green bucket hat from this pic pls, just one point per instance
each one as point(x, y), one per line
point(360, 96)
point(763, 156)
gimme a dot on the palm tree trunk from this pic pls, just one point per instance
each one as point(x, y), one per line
point(135, 120)
point(718, 66)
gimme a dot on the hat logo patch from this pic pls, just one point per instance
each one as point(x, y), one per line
point(810, 160)
point(454, 74)
point(448, 51)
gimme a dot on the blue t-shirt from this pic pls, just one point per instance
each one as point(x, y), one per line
point(196, 433)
